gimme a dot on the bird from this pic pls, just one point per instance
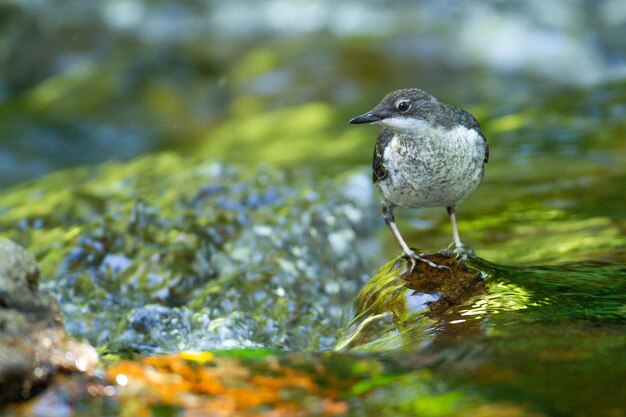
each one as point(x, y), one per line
point(428, 154)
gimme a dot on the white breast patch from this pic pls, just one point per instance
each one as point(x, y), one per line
point(432, 167)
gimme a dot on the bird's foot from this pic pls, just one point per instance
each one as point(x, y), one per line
point(462, 253)
point(413, 258)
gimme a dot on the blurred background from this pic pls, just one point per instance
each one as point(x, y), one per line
point(83, 82)
point(224, 201)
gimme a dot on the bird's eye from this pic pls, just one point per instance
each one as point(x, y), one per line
point(403, 105)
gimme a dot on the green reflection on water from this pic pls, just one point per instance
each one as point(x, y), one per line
point(565, 353)
point(549, 338)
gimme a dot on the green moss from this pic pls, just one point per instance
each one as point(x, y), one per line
point(384, 321)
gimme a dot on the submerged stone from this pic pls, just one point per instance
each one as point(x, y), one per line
point(200, 258)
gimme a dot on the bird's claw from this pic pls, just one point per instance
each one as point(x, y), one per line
point(414, 257)
point(461, 253)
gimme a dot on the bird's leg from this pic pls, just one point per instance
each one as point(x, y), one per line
point(459, 249)
point(410, 253)
point(455, 230)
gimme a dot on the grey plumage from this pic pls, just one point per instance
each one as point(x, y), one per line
point(428, 154)
point(447, 115)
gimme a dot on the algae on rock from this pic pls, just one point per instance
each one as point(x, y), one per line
point(167, 253)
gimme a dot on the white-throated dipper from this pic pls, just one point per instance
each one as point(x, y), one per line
point(429, 154)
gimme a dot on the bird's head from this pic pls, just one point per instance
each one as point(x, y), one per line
point(407, 109)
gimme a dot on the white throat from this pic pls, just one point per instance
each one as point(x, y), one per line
point(404, 123)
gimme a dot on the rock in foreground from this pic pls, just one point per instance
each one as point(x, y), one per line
point(398, 308)
point(33, 343)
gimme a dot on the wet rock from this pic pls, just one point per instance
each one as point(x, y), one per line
point(398, 307)
point(33, 343)
point(445, 287)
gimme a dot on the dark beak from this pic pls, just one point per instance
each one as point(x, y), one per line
point(364, 118)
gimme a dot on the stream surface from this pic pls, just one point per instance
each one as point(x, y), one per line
point(187, 180)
